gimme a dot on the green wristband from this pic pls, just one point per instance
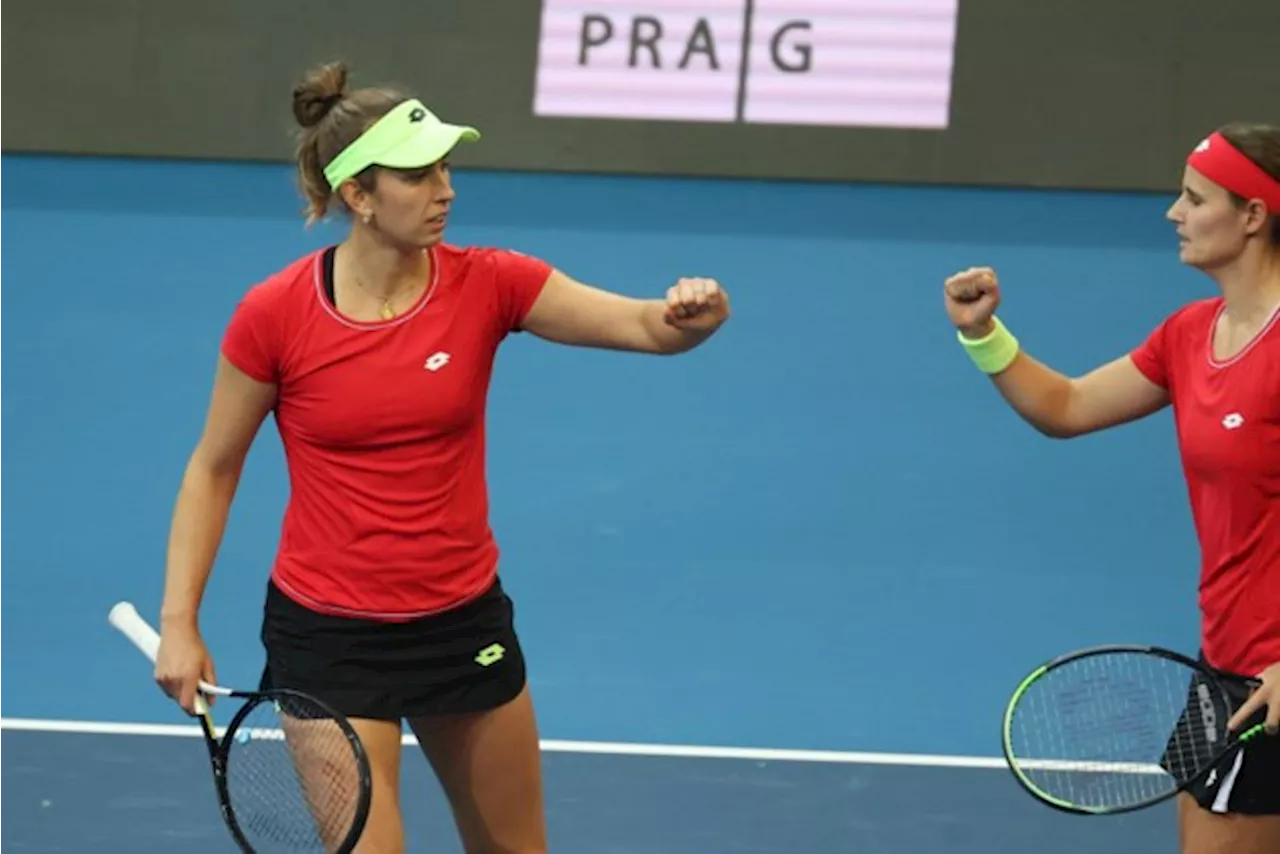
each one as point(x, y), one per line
point(993, 352)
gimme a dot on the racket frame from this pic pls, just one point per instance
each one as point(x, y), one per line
point(220, 753)
point(126, 619)
point(1214, 678)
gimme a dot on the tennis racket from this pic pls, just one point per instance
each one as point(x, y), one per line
point(290, 773)
point(1119, 728)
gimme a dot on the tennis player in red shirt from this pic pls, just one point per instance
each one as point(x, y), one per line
point(375, 357)
point(1216, 361)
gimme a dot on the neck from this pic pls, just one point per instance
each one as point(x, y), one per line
point(383, 268)
point(1251, 284)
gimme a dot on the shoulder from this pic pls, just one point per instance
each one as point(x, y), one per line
point(255, 334)
point(487, 261)
point(512, 280)
point(1189, 324)
point(294, 281)
point(1178, 333)
point(1196, 315)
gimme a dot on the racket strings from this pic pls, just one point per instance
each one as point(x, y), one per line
point(293, 778)
point(1116, 730)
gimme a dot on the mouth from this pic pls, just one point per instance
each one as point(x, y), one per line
point(439, 219)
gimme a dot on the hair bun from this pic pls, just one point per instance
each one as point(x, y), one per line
point(318, 93)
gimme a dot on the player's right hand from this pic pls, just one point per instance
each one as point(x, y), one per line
point(971, 297)
point(181, 662)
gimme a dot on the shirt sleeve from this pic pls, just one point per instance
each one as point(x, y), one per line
point(1151, 357)
point(251, 339)
point(520, 279)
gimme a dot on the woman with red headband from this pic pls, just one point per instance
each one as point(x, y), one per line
point(1216, 361)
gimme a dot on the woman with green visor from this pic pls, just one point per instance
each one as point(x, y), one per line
point(375, 355)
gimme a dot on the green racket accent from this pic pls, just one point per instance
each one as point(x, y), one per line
point(1014, 766)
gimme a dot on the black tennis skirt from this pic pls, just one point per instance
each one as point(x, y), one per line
point(464, 660)
point(1250, 784)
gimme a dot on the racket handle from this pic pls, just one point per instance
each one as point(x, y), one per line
point(126, 619)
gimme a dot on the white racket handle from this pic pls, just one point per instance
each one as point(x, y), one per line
point(126, 619)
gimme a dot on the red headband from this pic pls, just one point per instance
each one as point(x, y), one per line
point(1222, 163)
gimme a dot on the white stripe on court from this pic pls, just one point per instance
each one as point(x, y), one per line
point(756, 754)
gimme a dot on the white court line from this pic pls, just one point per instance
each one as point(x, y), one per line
point(756, 754)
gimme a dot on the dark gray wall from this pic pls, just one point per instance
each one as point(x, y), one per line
point(1066, 94)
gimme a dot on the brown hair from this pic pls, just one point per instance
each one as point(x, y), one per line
point(331, 119)
point(1261, 144)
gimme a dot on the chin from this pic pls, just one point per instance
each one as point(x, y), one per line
point(430, 238)
point(420, 241)
point(1191, 254)
point(1203, 261)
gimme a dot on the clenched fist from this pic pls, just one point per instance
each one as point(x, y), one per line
point(971, 298)
point(696, 304)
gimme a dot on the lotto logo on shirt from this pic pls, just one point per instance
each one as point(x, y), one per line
point(884, 63)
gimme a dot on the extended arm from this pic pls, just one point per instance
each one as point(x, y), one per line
point(1064, 407)
point(570, 312)
point(1053, 403)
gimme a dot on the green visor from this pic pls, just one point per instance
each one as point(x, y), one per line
point(408, 137)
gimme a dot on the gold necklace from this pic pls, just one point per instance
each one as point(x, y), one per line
point(386, 311)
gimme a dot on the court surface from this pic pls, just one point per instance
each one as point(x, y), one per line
point(774, 593)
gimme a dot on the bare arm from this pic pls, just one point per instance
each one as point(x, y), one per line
point(237, 408)
point(569, 312)
point(1053, 403)
point(1064, 407)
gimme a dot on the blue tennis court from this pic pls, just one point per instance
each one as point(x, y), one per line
point(774, 593)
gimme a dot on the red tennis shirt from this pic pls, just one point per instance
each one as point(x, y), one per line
point(383, 428)
point(1227, 415)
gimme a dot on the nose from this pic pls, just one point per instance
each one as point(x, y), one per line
point(446, 192)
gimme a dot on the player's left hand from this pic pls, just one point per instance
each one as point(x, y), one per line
point(1267, 696)
point(696, 304)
